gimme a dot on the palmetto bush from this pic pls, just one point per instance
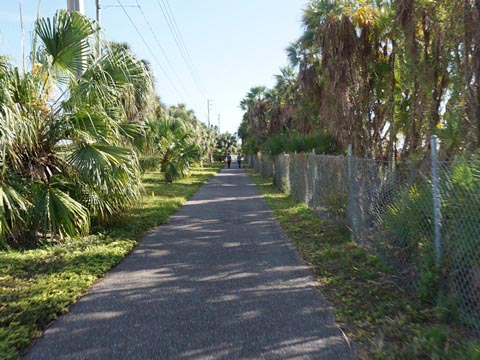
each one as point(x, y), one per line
point(170, 147)
point(66, 133)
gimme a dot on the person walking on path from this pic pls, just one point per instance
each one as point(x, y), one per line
point(239, 160)
point(229, 160)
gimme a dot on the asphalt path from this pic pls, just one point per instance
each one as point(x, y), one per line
point(219, 281)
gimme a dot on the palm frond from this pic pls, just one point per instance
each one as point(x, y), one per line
point(12, 207)
point(65, 41)
point(55, 213)
point(95, 160)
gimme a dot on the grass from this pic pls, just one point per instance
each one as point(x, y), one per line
point(383, 321)
point(36, 286)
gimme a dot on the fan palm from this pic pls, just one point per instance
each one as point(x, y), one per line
point(67, 129)
point(174, 151)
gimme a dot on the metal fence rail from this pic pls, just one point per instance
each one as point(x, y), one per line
point(422, 218)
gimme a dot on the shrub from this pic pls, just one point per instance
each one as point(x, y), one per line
point(322, 142)
point(276, 145)
point(251, 145)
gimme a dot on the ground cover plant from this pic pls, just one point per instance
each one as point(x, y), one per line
point(37, 285)
point(383, 320)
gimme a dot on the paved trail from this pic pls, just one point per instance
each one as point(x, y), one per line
point(220, 281)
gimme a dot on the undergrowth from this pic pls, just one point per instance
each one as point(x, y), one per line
point(384, 321)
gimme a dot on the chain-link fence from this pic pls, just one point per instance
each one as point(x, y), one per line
point(422, 218)
point(459, 187)
point(318, 180)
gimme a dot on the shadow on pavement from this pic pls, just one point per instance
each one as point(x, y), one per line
point(219, 281)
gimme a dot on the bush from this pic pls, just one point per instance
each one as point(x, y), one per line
point(150, 163)
point(251, 145)
point(276, 145)
point(322, 142)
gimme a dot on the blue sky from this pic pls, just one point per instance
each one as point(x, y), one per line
point(233, 45)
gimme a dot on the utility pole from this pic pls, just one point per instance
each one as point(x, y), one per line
point(219, 123)
point(208, 112)
point(99, 7)
point(76, 5)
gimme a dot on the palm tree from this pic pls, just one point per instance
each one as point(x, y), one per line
point(70, 127)
point(225, 143)
point(254, 104)
point(174, 151)
point(381, 75)
point(174, 141)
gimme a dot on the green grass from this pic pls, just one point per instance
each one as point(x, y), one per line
point(36, 286)
point(383, 321)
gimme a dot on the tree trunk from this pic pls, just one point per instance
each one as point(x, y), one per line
point(393, 135)
point(475, 88)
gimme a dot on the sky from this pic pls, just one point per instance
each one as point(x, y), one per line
point(231, 45)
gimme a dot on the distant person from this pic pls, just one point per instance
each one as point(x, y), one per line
point(239, 160)
point(229, 160)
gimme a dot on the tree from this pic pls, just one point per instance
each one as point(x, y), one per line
point(225, 143)
point(380, 75)
point(67, 128)
point(174, 141)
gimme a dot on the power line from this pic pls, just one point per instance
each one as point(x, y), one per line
point(176, 37)
point(184, 46)
point(149, 49)
point(179, 41)
point(160, 46)
point(183, 43)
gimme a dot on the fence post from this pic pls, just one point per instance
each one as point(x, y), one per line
point(350, 193)
point(437, 215)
